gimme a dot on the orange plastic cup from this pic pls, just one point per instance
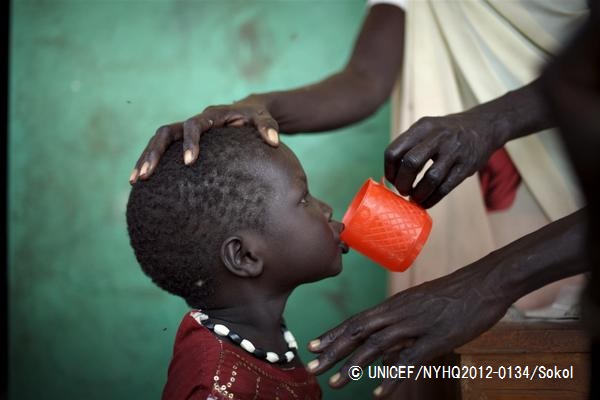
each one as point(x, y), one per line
point(385, 227)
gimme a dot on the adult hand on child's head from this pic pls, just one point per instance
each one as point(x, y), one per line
point(414, 326)
point(244, 113)
point(459, 145)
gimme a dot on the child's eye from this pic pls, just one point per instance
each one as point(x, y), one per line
point(304, 200)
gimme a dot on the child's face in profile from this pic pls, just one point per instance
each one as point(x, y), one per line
point(303, 240)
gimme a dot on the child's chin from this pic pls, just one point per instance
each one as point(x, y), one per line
point(336, 268)
point(333, 270)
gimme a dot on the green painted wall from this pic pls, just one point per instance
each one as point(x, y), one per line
point(90, 82)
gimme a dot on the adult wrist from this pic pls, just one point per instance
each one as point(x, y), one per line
point(498, 122)
point(260, 100)
point(551, 253)
point(509, 276)
point(525, 112)
point(498, 278)
point(515, 114)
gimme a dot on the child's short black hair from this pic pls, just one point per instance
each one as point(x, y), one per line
point(178, 219)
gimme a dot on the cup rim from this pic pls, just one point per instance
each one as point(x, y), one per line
point(357, 201)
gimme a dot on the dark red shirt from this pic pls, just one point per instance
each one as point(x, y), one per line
point(205, 366)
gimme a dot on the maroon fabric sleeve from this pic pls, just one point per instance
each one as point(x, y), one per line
point(499, 180)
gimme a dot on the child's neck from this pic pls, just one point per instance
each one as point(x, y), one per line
point(258, 320)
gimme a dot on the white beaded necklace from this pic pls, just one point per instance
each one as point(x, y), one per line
point(270, 356)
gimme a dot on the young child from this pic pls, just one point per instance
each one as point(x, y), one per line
point(233, 235)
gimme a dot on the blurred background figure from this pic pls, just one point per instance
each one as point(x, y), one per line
point(572, 86)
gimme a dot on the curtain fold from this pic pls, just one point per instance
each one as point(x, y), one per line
point(459, 54)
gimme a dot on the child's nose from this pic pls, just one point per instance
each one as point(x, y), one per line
point(326, 208)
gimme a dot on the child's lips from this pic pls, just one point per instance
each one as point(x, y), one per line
point(338, 228)
point(344, 247)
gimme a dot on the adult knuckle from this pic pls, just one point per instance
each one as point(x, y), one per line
point(425, 121)
point(426, 124)
point(445, 188)
point(163, 131)
point(457, 143)
point(267, 121)
point(328, 356)
point(190, 125)
point(354, 329)
point(376, 342)
point(330, 337)
point(151, 155)
point(389, 154)
point(410, 162)
point(435, 175)
point(210, 109)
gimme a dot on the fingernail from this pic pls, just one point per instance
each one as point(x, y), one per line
point(187, 157)
point(133, 175)
point(313, 364)
point(378, 390)
point(314, 344)
point(273, 137)
point(145, 168)
point(335, 378)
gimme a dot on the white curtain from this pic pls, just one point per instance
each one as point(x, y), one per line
point(459, 54)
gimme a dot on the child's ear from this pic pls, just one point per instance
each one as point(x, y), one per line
point(240, 255)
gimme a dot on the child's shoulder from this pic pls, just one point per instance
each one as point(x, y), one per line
point(191, 323)
point(195, 360)
point(193, 338)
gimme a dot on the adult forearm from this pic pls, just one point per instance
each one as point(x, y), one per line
point(353, 93)
point(551, 253)
point(339, 100)
point(517, 113)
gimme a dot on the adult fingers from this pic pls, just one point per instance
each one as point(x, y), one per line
point(412, 163)
point(156, 147)
point(351, 324)
point(344, 341)
point(394, 153)
point(418, 132)
point(193, 128)
point(268, 128)
point(317, 345)
point(135, 174)
point(433, 177)
point(456, 175)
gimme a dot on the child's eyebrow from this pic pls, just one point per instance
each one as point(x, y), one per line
point(300, 183)
point(302, 178)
